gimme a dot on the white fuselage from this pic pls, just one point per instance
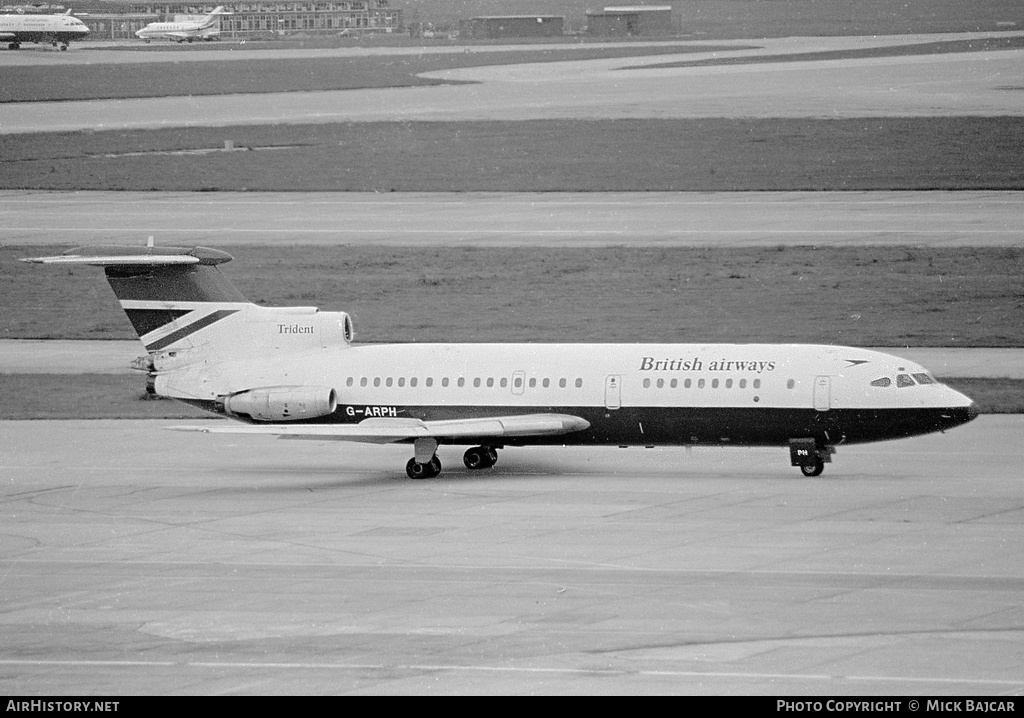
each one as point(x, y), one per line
point(15, 29)
point(188, 30)
point(743, 394)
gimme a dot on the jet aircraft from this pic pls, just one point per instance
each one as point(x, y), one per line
point(54, 29)
point(295, 372)
point(206, 27)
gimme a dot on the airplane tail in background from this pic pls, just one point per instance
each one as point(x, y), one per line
point(186, 311)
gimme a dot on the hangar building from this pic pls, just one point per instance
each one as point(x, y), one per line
point(643, 20)
point(512, 26)
point(113, 19)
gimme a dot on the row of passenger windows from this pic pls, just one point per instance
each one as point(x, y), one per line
point(518, 382)
point(904, 380)
point(701, 383)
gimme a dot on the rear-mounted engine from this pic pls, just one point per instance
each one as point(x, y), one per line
point(282, 403)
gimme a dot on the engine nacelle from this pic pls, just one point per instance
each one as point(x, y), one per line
point(334, 328)
point(282, 403)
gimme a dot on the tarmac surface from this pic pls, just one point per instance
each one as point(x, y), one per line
point(135, 560)
point(138, 560)
point(551, 219)
point(985, 83)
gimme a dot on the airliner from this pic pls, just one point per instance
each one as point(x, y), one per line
point(294, 372)
point(206, 27)
point(54, 29)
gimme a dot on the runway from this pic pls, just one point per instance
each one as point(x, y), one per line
point(936, 85)
point(138, 560)
point(562, 219)
point(135, 560)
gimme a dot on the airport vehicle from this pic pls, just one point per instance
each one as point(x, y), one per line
point(58, 30)
point(206, 27)
point(294, 372)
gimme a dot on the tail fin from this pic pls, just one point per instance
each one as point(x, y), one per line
point(168, 293)
point(187, 313)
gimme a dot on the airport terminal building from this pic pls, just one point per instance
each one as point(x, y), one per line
point(114, 19)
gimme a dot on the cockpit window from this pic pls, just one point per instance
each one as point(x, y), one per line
point(903, 380)
point(884, 381)
point(924, 379)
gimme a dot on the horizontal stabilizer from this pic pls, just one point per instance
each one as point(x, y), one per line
point(108, 261)
point(389, 431)
point(115, 255)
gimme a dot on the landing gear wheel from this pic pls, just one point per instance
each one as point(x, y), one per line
point(814, 469)
point(428, 470)
point(480, 457)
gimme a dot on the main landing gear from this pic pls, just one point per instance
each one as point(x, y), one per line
point(426, 465)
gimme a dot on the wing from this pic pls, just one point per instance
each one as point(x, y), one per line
point(394, 431)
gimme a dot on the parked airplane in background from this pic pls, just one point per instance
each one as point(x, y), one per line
point(294, 372)
point(54, 29)
point(206, 27)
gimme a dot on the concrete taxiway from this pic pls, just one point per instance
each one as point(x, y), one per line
point(142, 561)
point(935, 85)
point(550, 219)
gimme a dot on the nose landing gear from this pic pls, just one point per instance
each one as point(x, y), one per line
point(809, 455)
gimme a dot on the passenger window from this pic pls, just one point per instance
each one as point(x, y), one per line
point(757, 383)
point(546, 383)
point(490, 382)
point(504, 382)
point(728, 383)
point(688, 383)
point(561, 383)
point(661, 383)
point(401, 381)
point(444, 381)
point(579, 383)
point(412, 382)
point(647, 383)
point(518, 382)
point(700, 383)
point(349, 381)
point(430, 381)
point(743, 383)
point(362, 382)
point(884, 381)
point(903, 380)
point(924, 379)
point(533, 382)
point(376, 381)
point(714, 383)
point(476, 383)
point(790, 384)
point(674, 384)
point(462, 381)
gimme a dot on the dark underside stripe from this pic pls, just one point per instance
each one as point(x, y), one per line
point(695, 426)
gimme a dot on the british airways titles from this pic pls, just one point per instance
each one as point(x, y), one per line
point(695, 364)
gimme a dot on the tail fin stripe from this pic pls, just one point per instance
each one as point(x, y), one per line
point(190, 329)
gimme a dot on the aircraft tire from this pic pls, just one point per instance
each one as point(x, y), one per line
point(480, 457)
point(419, 471)
point(814, 469)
